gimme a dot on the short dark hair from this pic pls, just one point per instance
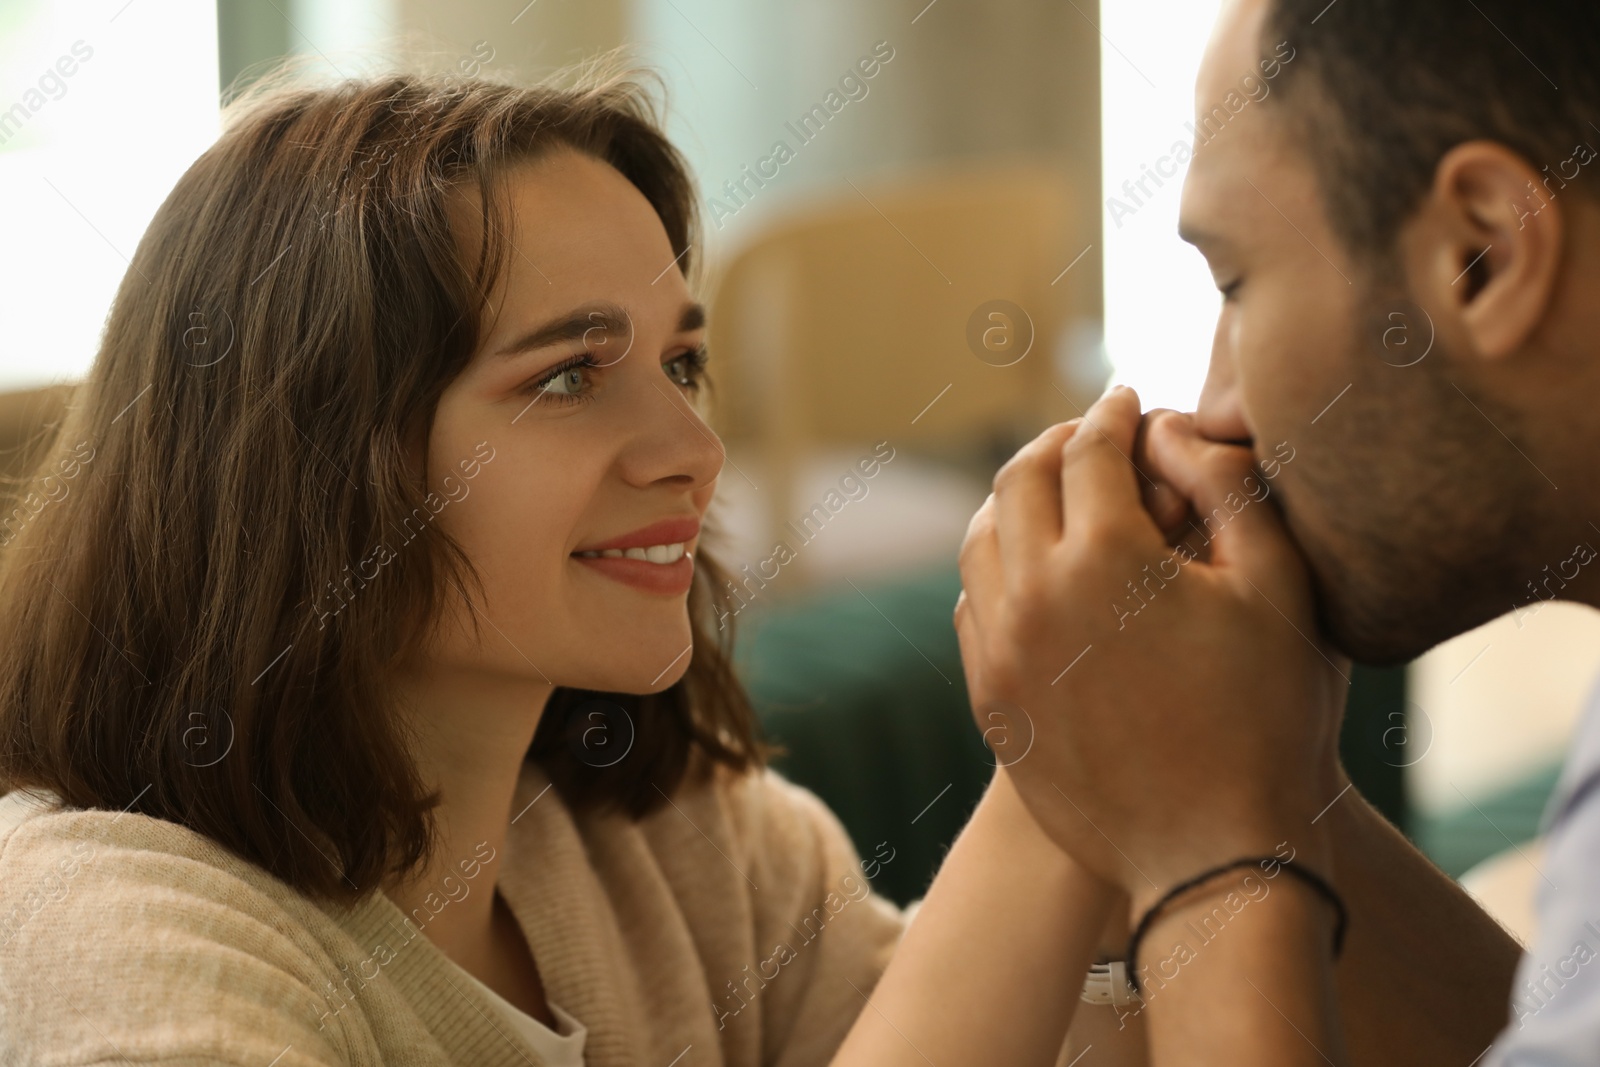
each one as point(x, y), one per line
point(1383, 89)
point(167, 597)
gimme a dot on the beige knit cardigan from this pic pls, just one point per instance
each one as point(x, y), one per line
point(731, 928)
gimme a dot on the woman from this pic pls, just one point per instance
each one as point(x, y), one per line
point(359, 699)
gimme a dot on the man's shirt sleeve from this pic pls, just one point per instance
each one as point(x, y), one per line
point(1554, 1016)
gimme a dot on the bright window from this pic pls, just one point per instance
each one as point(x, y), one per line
point(1161, 305)
point(103, 104)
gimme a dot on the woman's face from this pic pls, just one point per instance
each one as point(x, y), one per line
point(567, 459)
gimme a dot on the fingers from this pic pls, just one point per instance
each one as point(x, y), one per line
point(1168, 507)
point(982, 594)
point(1027, 493)
point(1229, 497)
point(982, 576)
point(1099, 485)
point(971, 643)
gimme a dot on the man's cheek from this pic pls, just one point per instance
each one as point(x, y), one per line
point(1289, 384)
point(1306, 503)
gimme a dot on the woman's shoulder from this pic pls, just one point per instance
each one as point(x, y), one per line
point(109, 919)
point(51, 852)
point(777, 827)
point(805, 876)
point(764, 809)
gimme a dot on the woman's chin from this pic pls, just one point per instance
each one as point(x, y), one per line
point(643, 674)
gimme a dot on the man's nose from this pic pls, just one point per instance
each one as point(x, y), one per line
point(1220, 415)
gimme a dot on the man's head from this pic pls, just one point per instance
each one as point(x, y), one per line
point(1407, 233)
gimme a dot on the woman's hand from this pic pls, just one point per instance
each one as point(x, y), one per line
point(1174, 705)
point(991, 969)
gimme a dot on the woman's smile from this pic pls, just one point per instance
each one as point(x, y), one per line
point(655, 559)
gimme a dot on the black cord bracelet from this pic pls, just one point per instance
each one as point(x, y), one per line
point(1310, 878)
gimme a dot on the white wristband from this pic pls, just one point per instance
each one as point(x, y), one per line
point(1107, 983)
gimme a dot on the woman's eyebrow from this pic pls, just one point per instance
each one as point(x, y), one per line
point(693, 318)
point(574, 325)
point(580, 323)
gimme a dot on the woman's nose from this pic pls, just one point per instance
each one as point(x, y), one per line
point(674, 443)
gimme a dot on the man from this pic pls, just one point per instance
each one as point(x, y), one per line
point(1396, 436)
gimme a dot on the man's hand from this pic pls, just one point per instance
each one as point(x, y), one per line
point(1183, 712)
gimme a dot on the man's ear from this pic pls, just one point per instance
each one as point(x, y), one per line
point(1493, 238)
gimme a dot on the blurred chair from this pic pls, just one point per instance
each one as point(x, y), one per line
point(868, 315)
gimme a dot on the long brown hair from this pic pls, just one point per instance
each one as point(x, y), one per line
point(284, 329)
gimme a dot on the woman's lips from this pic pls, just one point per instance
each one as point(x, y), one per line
point(665, 532)
point(668, 579)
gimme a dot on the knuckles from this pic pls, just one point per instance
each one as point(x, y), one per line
point(1002, 668)
point(1167, 423)
point(1009, 472)
point(1039, 450)
point(980, 526)
point(1219, 460)
point(1101, 544)
point(1031, 611)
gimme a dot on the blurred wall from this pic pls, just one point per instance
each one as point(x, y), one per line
point(529, 40)
point(1005, 78)
point(532, 39)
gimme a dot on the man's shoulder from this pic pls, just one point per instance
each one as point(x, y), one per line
point(1580, 775)
point(1554, 1014)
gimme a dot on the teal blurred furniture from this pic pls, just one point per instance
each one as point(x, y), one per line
point(1458, 841)
point(874, 719)
point(863, 688)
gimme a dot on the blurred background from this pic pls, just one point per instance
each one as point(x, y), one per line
point(941, 260)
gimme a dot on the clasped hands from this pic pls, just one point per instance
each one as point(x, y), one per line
point(1151, 630)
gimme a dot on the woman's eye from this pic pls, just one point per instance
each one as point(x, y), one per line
point(688, 370)
point(567, 382)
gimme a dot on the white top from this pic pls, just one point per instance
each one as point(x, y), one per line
point(1554, 1016)
point(557, 1048)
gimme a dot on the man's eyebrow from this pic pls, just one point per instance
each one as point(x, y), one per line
point(580, 323)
